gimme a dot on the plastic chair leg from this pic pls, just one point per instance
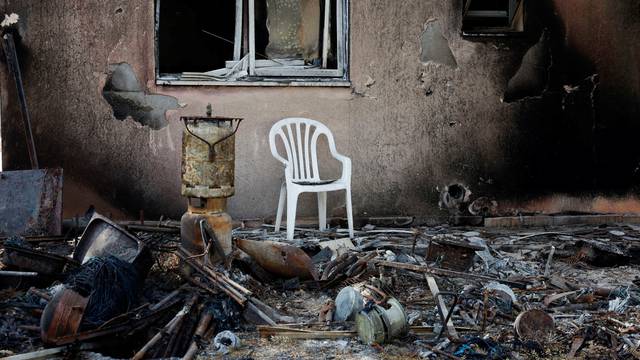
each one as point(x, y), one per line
point(283, 193)
point(292, 203)
point(322, 210)
point(349, 211)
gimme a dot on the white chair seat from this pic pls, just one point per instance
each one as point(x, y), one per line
point(300, 138)
point(315, 183)
point(336, 185)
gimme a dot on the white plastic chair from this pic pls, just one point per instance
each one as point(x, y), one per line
point(300, 138)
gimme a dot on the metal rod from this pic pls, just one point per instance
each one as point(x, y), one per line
point(237, 39)
point(231, 42)
point(325, 33)
point(18, 273)
point(445, 320)
point(446, 272)
point(214, 277)
point(203, 324)
point(209, 238)
point(168, 328)
point(14, 69)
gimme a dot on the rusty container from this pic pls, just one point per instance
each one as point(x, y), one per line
point(451, 254)
point(208, 156)
point(219, 221)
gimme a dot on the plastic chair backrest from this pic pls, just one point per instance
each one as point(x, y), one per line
point(300, 139)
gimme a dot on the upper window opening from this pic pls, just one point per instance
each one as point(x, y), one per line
point(251, 40)
point(184, 45)
point(492, 17)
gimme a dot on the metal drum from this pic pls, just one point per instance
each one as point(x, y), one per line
point(396, 319)
point(370, 325)
point(379, 325)
point(348, 303)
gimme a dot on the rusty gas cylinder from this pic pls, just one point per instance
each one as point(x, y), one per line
point(208, 155)
point(219, 221)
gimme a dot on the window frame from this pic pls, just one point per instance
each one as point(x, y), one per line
point(516, 11)
point(264, 72)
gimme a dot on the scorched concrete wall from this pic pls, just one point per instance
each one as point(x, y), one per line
point(413, 119)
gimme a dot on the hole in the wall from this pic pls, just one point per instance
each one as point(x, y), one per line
point(457, 191)
point(453, 196)
point(119, 10)
point(127, 97)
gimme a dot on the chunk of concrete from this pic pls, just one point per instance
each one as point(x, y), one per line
point(122, 78)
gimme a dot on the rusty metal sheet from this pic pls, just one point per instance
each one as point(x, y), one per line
point(31, 202)
point(534, 324)
point(281, 259)
point(454, 255)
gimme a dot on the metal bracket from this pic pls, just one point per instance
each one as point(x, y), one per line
point(209, 238)
point(446, 319)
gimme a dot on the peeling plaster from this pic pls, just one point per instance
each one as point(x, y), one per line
point(128, 98)
point(435, 47)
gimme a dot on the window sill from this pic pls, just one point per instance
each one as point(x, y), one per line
point(263, 83)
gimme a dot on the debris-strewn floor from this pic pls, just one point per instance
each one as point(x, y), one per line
point(586, 278)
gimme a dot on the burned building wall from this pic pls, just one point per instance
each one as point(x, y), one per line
point(409, 122)
point(580, 109)
point(601, 53)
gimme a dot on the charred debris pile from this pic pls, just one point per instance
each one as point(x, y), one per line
point(422, 292)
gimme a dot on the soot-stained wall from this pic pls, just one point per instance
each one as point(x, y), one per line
point(551, 111)
point(580, 116)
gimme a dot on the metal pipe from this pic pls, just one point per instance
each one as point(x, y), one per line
point(14, 69)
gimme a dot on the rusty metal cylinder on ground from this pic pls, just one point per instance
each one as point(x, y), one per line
point(379, 325)
point(219, 221)
point(208, 155)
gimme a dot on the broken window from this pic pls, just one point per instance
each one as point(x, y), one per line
point(251, 40)
point(492, 17)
